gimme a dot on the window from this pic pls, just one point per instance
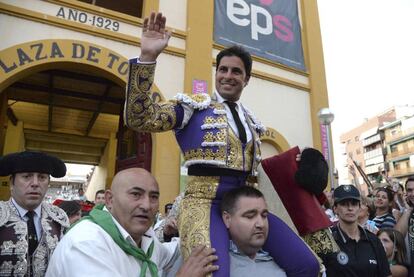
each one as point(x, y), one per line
point(358, 151)
point(406, 164)
point(130, 7)
point(394, 148)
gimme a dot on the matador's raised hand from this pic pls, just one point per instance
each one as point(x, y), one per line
point(154, 37)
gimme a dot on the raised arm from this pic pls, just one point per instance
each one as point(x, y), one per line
point(403, 221)
point(141, 113)
point(154, 37)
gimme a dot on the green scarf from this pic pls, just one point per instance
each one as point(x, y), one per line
point(104, 219)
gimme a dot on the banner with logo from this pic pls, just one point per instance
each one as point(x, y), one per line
point(267, 28)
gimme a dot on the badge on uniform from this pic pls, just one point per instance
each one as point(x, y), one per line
point(342, 258)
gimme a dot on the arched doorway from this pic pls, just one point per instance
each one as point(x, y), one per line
point(273, 143)
point(67, 96)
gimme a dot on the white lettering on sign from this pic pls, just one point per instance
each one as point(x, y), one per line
point(238, 10)
point(86, 18)
point(255, 27)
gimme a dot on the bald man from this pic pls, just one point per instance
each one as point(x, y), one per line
point(117, 239)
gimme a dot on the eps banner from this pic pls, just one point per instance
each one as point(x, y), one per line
point(266, 28)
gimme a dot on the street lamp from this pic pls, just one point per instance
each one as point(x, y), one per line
point(326, 117)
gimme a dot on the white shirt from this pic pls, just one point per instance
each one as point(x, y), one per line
point(188, 112)
point(87, 250)
point(36, 218)
point(240, 265)
point(262, 265)
point(230, 118)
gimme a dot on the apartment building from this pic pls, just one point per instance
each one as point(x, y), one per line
point(379, 146)
point(399, 145)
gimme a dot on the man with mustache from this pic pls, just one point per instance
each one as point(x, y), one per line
point(29, 229)
point(117, 239)
point(219, 138)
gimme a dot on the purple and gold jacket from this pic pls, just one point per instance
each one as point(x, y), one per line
point(206, 139)
point(14, 243)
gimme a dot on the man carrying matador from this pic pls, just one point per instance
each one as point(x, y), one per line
point(219, 139)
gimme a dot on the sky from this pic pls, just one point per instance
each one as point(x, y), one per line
point(369, 57)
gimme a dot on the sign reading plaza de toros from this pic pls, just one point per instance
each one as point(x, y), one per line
point(22, 56)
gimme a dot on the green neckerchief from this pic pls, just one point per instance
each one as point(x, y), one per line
point(104, 219)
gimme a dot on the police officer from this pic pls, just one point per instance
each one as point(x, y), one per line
point(361, 253)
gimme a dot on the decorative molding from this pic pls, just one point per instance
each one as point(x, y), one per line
point(269, 62)
point(78, 27)
point(276, 79)
point(279, 80)
point(136, 21)
point(131, 40)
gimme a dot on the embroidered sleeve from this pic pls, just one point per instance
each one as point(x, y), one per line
point(57, 214)
point(4, 213)
point(141, 113)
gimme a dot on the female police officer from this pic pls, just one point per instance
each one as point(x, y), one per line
point(361, 253)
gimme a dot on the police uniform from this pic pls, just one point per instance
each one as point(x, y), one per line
point(363, 258)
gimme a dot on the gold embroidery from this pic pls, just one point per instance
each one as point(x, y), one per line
point(220, 136)
point(194, 220)
point(199, 98)
point(248, 156)
point(206, 154)
point(235, 153)
point(208, 137)
point(215, 120)
point(321, 242)
point(141, 113)
point(209, 120)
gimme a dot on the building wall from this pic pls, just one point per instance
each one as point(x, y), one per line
point(286, 100)
point(353, 146)
point(399, 141)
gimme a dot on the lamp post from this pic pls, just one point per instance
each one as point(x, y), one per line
point(326, 117)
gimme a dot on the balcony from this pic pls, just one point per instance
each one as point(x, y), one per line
point(401, 152)
point(375, 160)
point(371, 140)
point(373, 153)
point(401, 172)
point(374, 168)
point(391, 138)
